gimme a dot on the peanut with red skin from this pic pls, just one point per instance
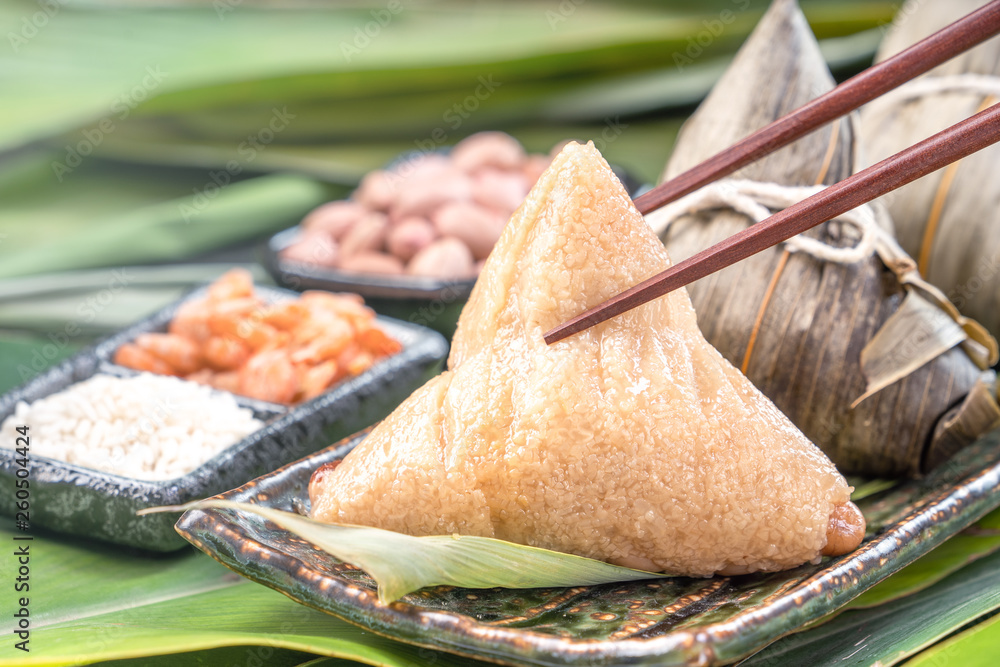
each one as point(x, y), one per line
point(313, 248)
point(501, 190)
point(445, 258)
point(488, 149)
point(335, 217)
point(422, 193)
point(534, 166)
point(366, 235)
point(401, 215)
point(846, 530)
point(409, 237)
point(476, 226)
point(376, 191)
point(373, 262)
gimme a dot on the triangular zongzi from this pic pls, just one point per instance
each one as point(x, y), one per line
point(799, 325)
point(634, 442)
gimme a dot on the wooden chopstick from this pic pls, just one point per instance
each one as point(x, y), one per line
point(877, 80)
point(954, 143)
point(923, 56)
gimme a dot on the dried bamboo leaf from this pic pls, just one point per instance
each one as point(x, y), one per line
point(933, 334)
point(975, 415)
point(949, 220)
point(800, 339)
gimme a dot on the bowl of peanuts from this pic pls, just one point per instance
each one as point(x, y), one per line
point(412, 237)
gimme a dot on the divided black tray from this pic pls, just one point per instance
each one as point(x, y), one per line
point(81, 501)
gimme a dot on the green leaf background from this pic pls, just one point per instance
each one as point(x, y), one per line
point(162, 97)
point(92, 602)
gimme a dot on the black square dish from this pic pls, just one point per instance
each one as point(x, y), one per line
point(81, 501)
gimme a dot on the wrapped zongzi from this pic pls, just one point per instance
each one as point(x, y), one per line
point(836, 328)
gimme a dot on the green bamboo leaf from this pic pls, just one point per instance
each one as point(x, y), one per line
point(642, 146)
point(113, 214)
point(85, 316)
point(22, 357)
point(91, 602)
point(176, 228)
point(869, 487)
point(325, 662)
point(230, 655)
point(889, 633)
point(979, 540)
point(401, 564)
point(74, 282)
point(96, 60)
point(88, 304)
point(240, 60)
point(583, 98)
point(975, 647)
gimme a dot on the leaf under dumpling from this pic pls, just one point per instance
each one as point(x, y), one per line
point(401, 564)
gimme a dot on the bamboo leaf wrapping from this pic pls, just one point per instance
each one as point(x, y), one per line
point(949, 221)
point(801, 344)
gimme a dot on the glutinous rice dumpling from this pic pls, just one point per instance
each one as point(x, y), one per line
point(634, 442)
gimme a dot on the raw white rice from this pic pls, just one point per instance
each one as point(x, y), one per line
point(151, 427)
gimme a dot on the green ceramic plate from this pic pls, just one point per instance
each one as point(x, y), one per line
point(671, 621)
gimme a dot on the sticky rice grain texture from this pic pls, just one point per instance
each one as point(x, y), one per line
point(634, 442)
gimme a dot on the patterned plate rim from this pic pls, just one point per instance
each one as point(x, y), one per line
point(940, 515)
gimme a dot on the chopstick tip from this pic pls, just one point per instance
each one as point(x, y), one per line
point(573, 326)
point(558, 333)
point(554, 336)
